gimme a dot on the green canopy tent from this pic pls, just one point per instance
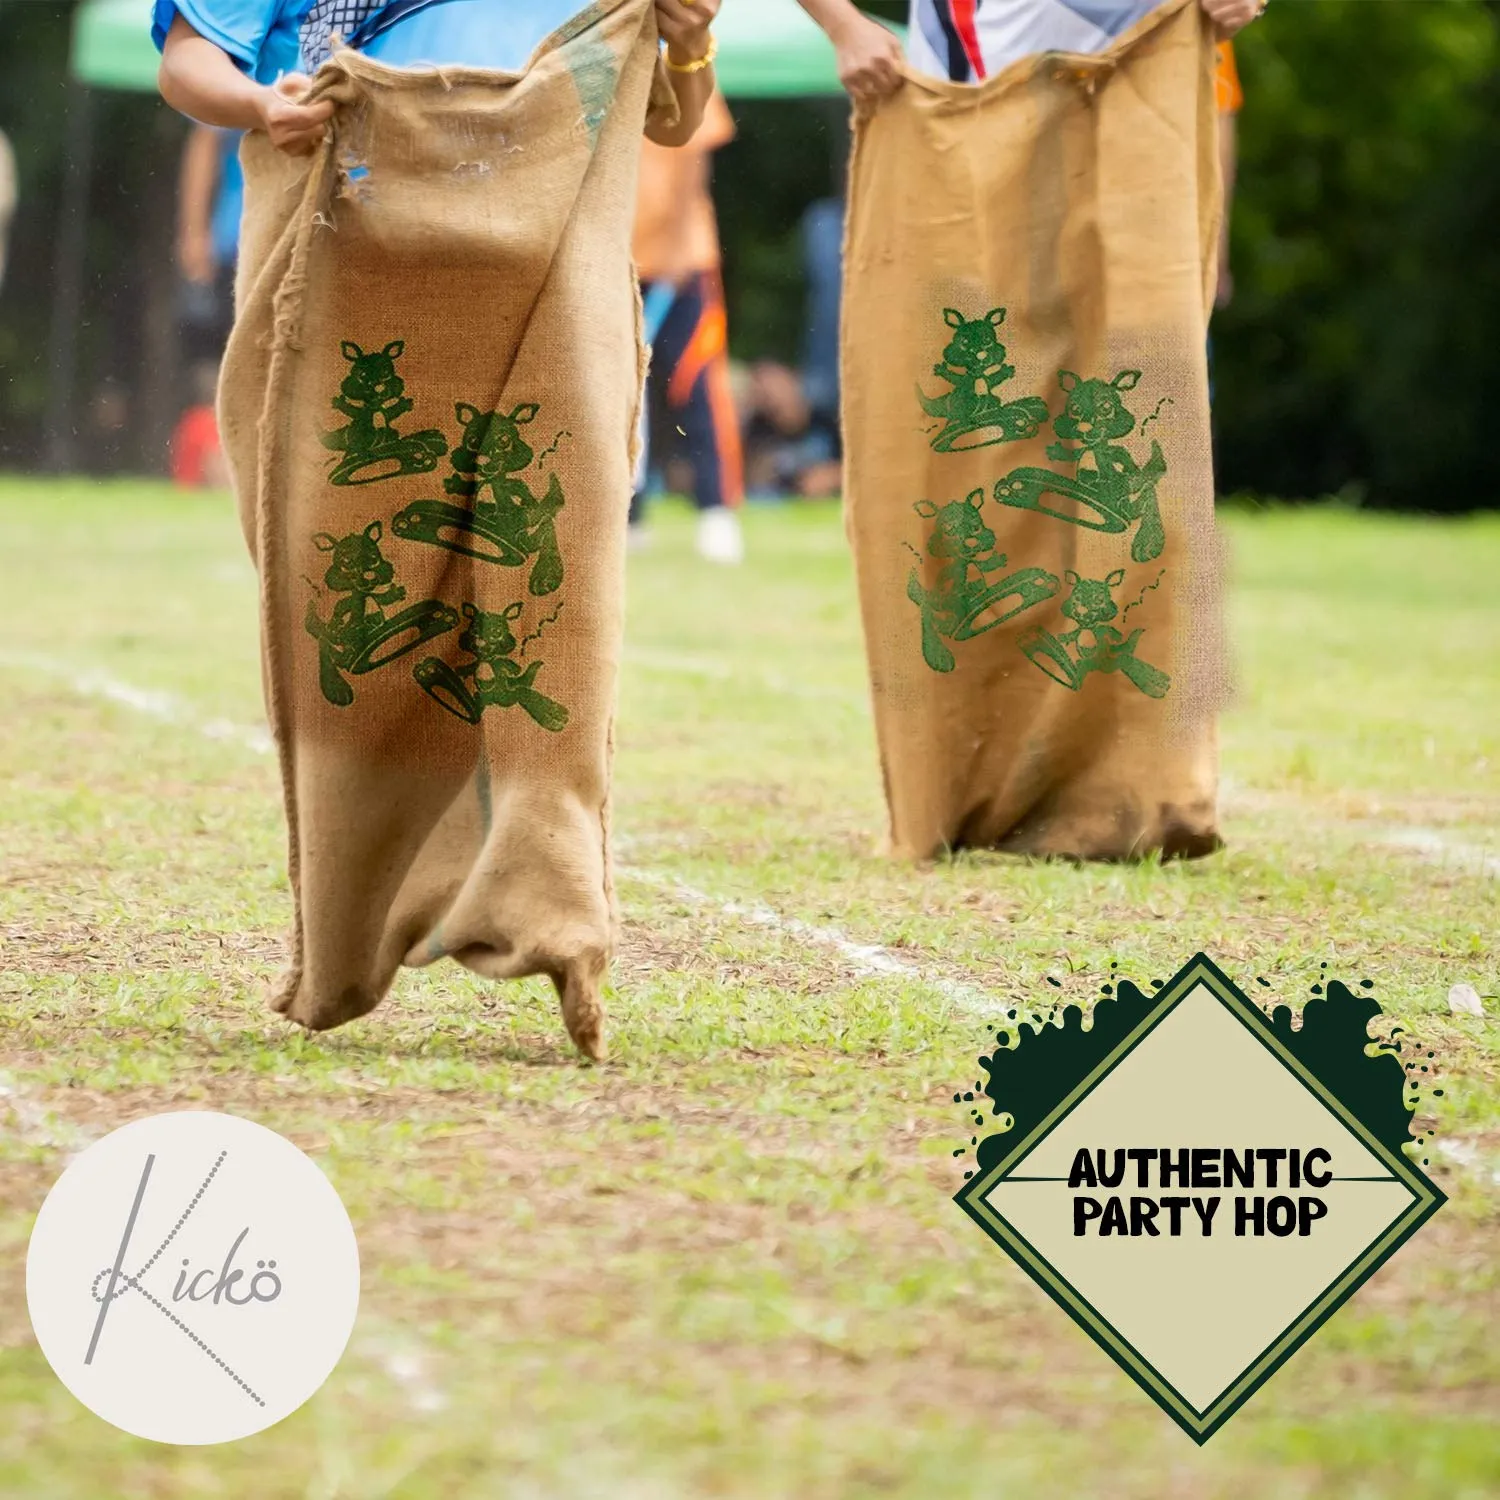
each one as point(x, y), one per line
point(768, 49)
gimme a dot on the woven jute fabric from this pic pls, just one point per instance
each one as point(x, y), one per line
point(429, 406)
point(1030, 267)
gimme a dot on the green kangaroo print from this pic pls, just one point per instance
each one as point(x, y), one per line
point(973, 413)
point(965, 602)
point(1093, 644)
point(493, 678)
point(373, 396)
point(359, 635)
point(1108, 490)
point(500, 521)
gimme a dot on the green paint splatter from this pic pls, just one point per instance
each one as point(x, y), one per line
point(596, 76)
point(1331, 1044)
point(1040, 1062)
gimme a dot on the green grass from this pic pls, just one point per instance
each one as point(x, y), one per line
point(727, 1264)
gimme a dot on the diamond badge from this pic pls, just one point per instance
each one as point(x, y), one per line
point(1200, 1186)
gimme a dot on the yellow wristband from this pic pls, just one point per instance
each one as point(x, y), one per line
point(698, 64)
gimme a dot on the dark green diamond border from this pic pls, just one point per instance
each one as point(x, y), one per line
point(1427, 1198)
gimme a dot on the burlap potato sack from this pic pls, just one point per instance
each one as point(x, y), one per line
point(1029, 479)
point(429, 404)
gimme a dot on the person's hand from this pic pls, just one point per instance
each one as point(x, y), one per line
point(1231, 16)
point(869, 59)
point(293, 127)
point(1224, 294)
point(684, 26)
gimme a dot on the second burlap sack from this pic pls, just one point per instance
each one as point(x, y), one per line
point(1030, 490)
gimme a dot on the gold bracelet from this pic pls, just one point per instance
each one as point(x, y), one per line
point(698, 64)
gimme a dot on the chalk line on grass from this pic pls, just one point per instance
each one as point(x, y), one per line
point(1438, 849)
point(868, 960)
point(148, 702)
point(35, 1123)
point(1427, 843)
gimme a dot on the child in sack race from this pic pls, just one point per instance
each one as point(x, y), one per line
point(428, 407)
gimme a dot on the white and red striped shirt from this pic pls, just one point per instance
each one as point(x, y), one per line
point(971, 40)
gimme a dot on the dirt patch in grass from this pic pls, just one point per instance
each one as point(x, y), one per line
point(83, 948)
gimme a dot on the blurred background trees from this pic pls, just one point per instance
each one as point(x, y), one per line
point(1359, 356)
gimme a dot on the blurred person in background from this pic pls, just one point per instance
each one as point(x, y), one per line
point(823, 263)
point(197, 456)
point(790, 448)
point(677, 256)
point(968, 41)
point(210, 198)
point(9, 193)
point(1230, 98)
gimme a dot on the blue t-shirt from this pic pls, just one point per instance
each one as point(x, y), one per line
point(229, 201)
point(262, 35)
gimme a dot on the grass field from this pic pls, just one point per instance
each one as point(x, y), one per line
point(726, 1264)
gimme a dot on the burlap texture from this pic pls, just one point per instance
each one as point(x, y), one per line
point(429, 403)
point(1030, 265)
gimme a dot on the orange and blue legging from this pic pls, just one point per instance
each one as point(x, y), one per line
point(690, 372)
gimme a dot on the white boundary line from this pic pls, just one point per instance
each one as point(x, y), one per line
point(148, 702)
point(1470, 1157)
point(1436, 849)
point(868, 960)
point(35, 1123)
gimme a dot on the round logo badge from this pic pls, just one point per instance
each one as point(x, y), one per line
point(193, 1278)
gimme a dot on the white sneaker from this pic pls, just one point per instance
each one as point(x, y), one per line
point(720, 539)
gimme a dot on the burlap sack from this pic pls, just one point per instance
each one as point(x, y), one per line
point(429, 403)
point(1029, 487)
